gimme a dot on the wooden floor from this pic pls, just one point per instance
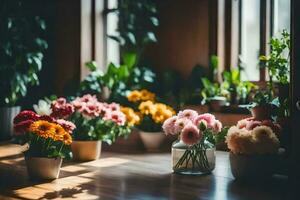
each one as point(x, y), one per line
point(135, 176)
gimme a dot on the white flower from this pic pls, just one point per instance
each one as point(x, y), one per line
point(43, 108)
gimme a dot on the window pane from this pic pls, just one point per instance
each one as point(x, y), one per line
point(250, 23)
point(113, 51)
point(282, 16)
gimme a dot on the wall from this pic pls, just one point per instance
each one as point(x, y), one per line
point(183, 36)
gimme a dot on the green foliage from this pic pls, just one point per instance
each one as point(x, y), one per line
point(97, 129)
point(136, 24)
point(221, 137)
point(212, 90)
point(21, 51)
point(149, 125)
point(41, 147)
point(277, 62)
point(262, 98)
point(113, 78)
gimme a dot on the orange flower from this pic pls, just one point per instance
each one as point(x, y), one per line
point(132, 118)
point(147, 107)
point(67, 139)
point(147, 95)
point(42, 128)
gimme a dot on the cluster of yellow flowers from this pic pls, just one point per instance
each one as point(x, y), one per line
point(158, 111)
point(140, 95)
point(132, 118)
point(47, 130)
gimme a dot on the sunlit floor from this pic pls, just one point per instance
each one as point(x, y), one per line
point(120, 176)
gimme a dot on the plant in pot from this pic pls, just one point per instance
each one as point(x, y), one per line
point(262, 105)
point(152, 115)
point(96, 122)
point(194, 151)
point(253, 148)
point(214, 94)
point(21, 55)
point(48, 138)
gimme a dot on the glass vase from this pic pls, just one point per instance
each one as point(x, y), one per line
point(197, 159)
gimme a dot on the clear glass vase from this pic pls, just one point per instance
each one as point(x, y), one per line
point(193, 160)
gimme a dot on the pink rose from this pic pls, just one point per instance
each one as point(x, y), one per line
point(209, 118)
point(181, 123)
point(169, 126)
point(188, 113)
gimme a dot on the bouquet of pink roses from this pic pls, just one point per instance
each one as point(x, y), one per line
point(197, 133)
point(98, 120)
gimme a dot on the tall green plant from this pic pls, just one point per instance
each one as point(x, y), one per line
point(136, 25)
point(278, 61)
point(21, 50)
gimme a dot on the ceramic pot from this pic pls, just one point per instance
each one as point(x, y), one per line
point(262, 112)
point(43, 168)
point(152, 140)
point(7, 115)
point(252, 167)
point(216, 103)
point(86, 150)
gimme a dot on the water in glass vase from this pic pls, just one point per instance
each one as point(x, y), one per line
point(192, 160)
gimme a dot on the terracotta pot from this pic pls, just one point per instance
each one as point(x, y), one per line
point(262, 112)
point(152, 140)
point(7, 115)
point(86, 150)
point(43, 168)
point(252, 167)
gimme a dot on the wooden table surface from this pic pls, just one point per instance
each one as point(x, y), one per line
point(135, 176)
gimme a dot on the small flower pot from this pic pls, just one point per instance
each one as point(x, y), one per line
point(7, 115)
point(262, 112)
point(252, 167)
point(216, 103)
point(43, 168)
point(86, 150)
point(152, 140)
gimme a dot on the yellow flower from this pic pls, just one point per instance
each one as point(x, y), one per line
point(147, 107)
point(132, 118)
point(134, 96)
point(162, 112)
point(146, 95)
point(42, 128)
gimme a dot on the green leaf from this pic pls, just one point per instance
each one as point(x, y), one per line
point(129, 59)
point(91, 65)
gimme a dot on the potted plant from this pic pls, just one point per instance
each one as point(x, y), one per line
point(21, 55)
point(278, 63)
point(48, 139)
point(194, 151)
point(261, 106)
point(152, 115)
point(253, 148)
point(214, 94)
point(96, 122)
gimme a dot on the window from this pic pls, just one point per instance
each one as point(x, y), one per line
point(258, 21)
point(250, 39)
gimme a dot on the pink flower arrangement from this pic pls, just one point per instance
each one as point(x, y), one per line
point(89, 107)
point(250, 136)
point(191, 126)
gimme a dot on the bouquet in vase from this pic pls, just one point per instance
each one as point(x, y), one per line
point(193, 152)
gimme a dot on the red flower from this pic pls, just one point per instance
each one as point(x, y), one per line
point(47, 118)
point(22, 127)
point(26, 115)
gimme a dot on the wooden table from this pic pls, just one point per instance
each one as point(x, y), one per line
point(135, 176)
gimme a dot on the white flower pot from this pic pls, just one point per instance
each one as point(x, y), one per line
point(7, 115)
point(252, 167)
point(43, 168)
point(86, 150)
point(152, 140)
